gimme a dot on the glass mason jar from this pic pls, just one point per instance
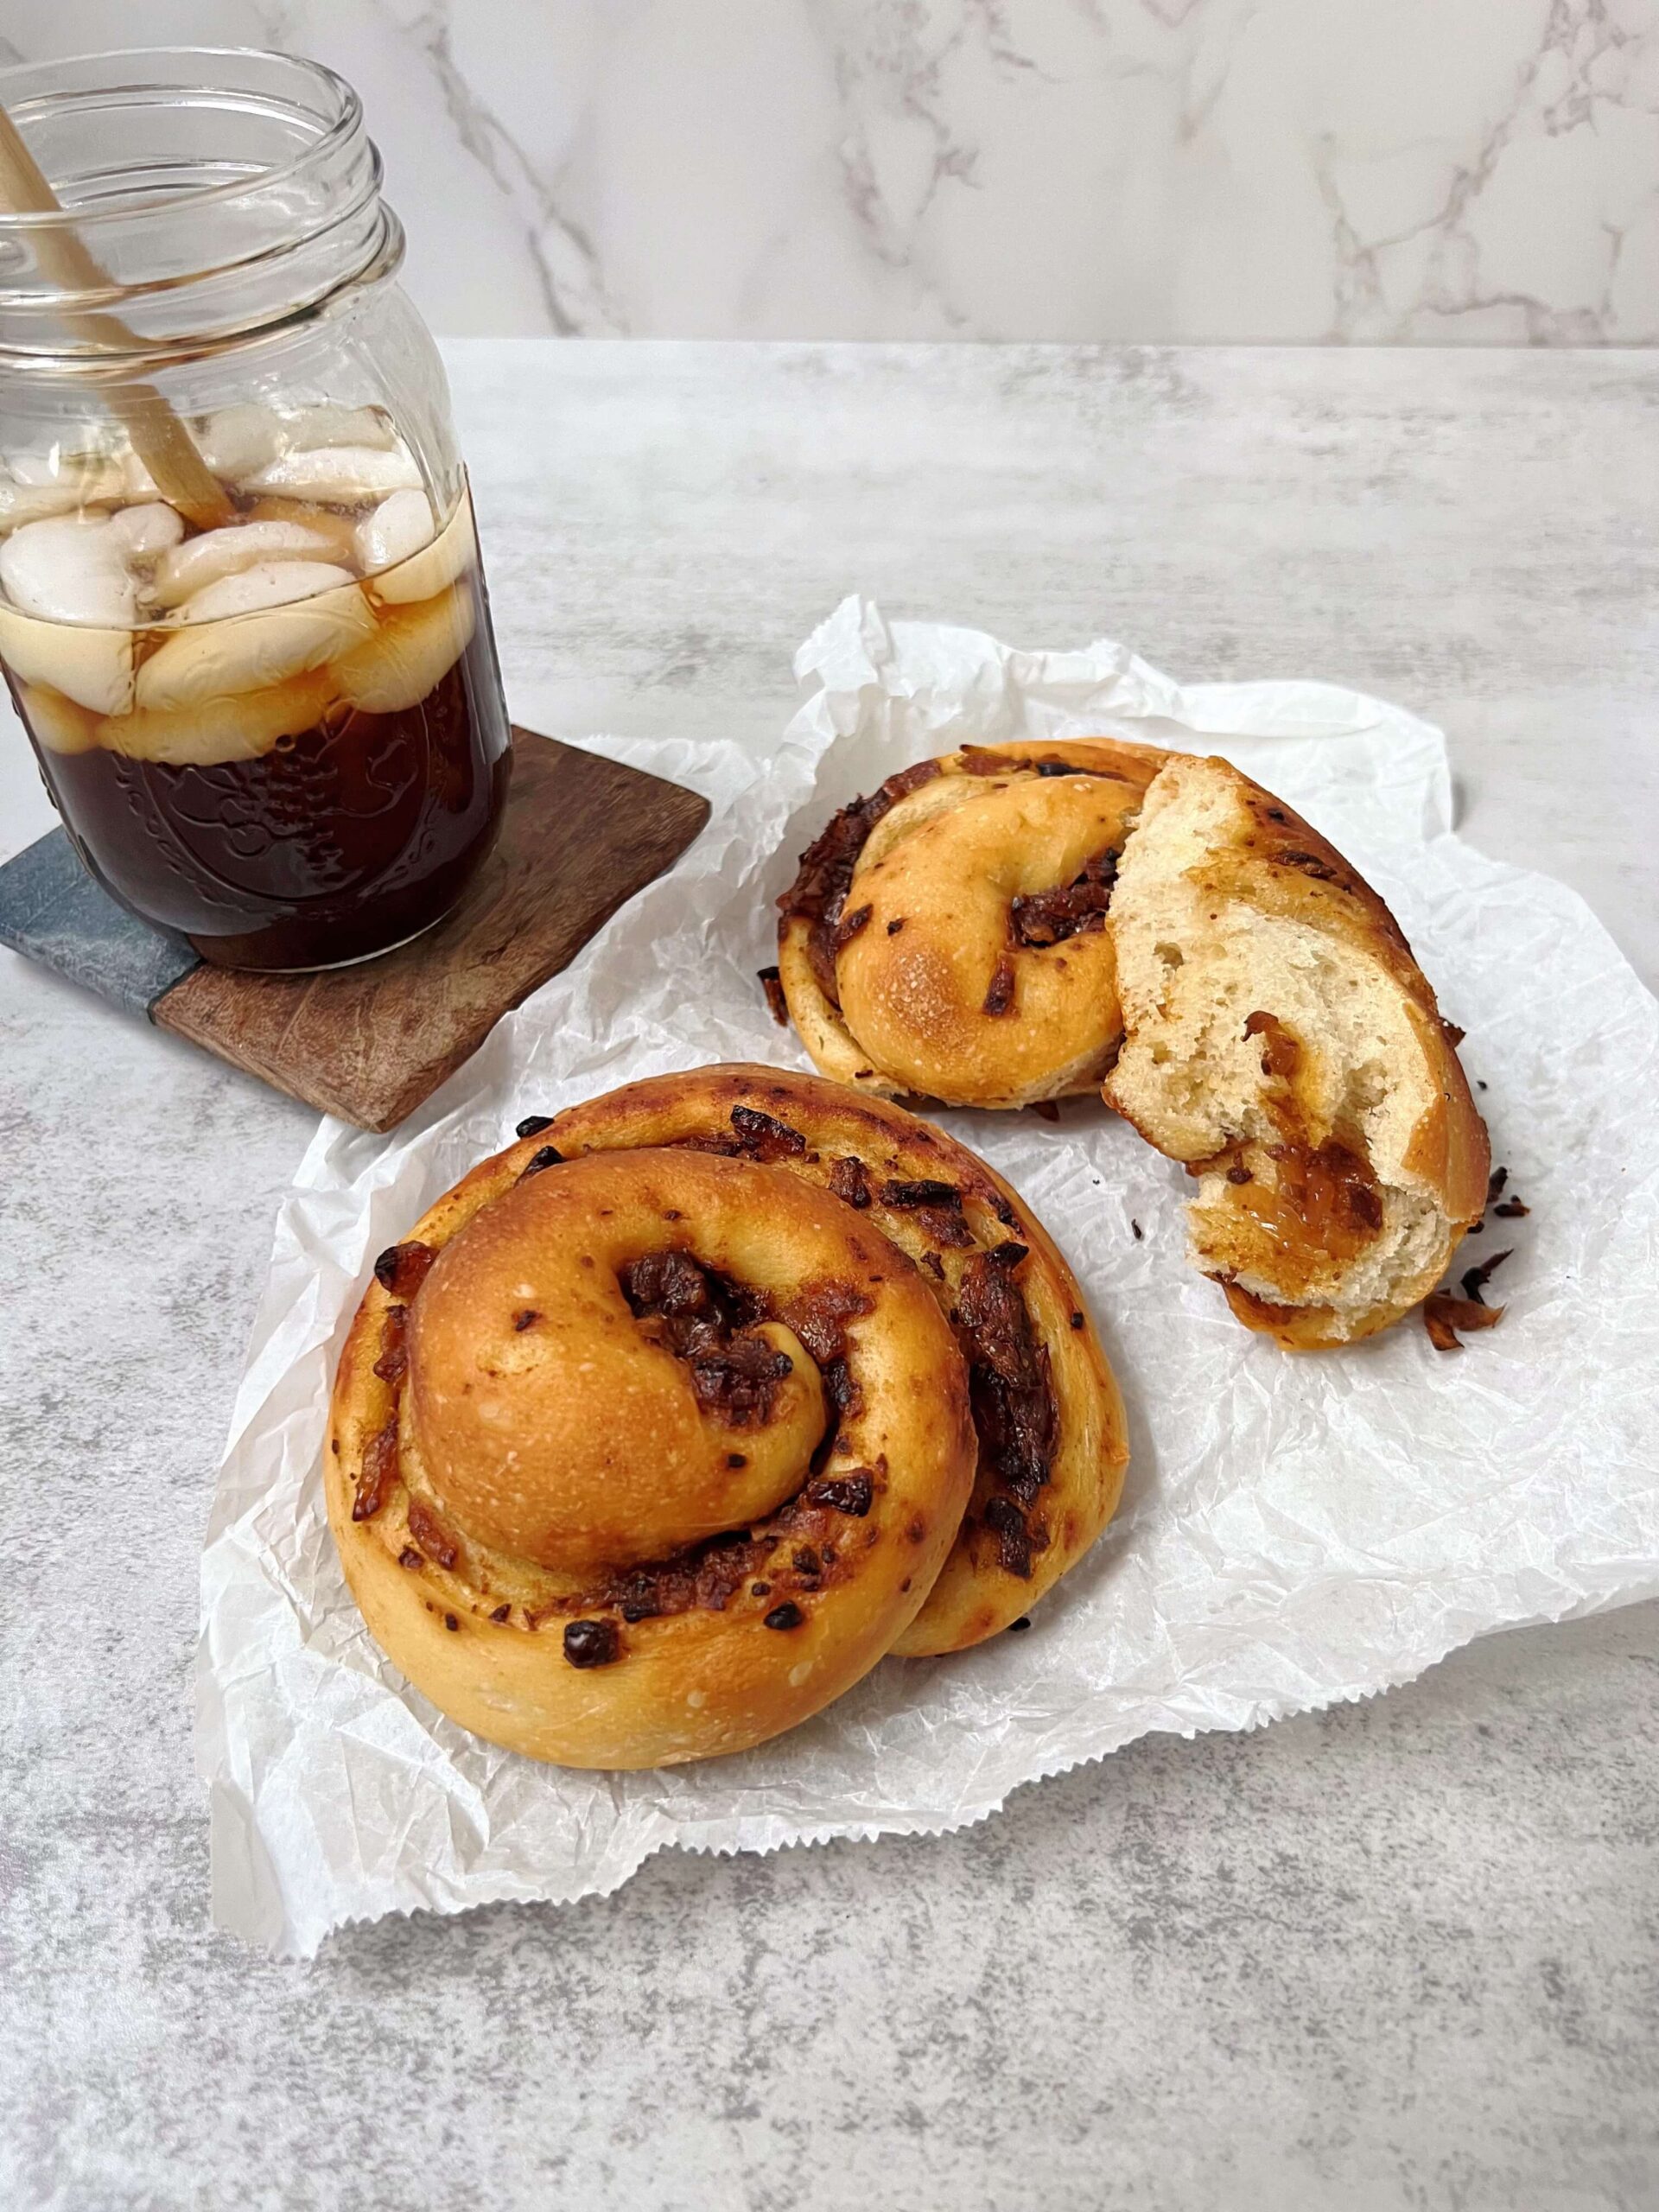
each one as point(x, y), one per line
point(261, 684)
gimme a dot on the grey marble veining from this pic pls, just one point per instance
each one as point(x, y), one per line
point(1440, 171)
point(1403, 1955)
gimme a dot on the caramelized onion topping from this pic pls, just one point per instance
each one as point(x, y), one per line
point(378, 1474)
point(705, 1320)
point(429, 1533)
point(1444, 1315)
point(825, 875)
point(1008, 1377)
point(1046, 918)
point(402, 1268)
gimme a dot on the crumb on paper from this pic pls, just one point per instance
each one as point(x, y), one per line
point(1475, 1279)
point(1445, 1315)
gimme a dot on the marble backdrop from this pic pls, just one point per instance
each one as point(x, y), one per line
point(1473, 171)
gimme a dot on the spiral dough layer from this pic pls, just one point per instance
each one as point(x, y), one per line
point(945, 937)
point(669, 1421)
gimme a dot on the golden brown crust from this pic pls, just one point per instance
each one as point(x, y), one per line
point(918, 949)
point(1307, 1328)
point(476, 1558)
point(480, 1563)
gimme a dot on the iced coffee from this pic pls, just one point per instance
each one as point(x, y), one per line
point(282, 738)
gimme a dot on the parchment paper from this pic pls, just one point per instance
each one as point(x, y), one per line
point(1295, 1531)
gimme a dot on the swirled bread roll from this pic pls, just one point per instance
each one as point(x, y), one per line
point(945, 936)
point(667, 1422)
point(1283, 1042)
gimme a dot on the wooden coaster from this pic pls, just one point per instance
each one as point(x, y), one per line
point(580, 836)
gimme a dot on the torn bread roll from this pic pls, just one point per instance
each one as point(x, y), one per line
point(1281, 1042)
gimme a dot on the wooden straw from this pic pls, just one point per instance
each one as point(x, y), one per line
point(159, 438)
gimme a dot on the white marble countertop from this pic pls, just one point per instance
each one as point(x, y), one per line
point(1399, 1955)
point(1177, 170)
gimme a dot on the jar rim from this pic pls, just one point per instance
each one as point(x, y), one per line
point(208, 192)
point(54, 93)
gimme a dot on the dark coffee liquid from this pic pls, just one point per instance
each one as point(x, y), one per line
point(337, 844)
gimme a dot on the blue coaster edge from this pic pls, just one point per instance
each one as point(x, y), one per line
point(51, 910)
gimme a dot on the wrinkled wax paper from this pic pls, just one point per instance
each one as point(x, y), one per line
point(1293, 1531)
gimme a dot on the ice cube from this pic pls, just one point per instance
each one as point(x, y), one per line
point(235, 440)
point(409, 652)
point(35, 486)
point(21, 503)
point(435, 567)
point(329, 425)
point(224, 729)
point(343, 476)
point(91, 667)
point(37, 469)
point(246, 654)
point(340, 530)
point(57, 723)
point(218, 553)
point(398, 527)
point(267, 583)
point(135, 478)
point(91, 470)
point(147, 531)
point(68, 568)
